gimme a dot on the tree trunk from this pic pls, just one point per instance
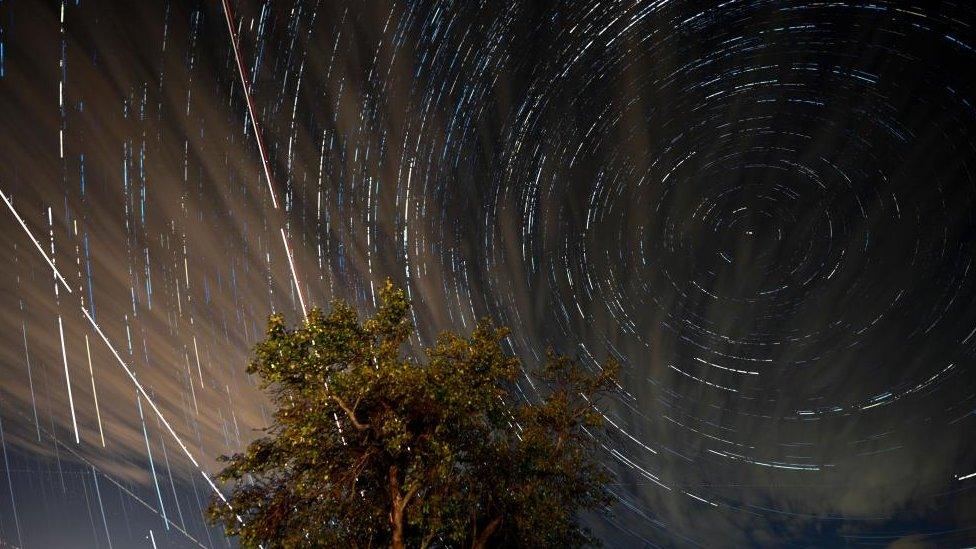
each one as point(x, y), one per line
point(396, 510)
point(398, 535)
point(486, 533)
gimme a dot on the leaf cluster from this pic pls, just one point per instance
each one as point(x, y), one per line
point(369, 447)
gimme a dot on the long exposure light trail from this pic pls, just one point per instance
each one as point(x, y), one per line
point(121, 362)
point(37, 244)
point(762, 209)
point(246, 89)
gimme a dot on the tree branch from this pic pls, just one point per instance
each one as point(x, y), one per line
point(427, 539)
point(396, 513)
point(351, 413)
point(486, 533)
point(410, 493)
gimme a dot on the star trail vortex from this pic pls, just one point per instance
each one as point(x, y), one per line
point(765, 210)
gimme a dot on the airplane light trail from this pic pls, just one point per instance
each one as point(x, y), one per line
point(34, 240)
point(121, 362)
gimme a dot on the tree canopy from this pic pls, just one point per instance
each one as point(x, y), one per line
point(370, 446)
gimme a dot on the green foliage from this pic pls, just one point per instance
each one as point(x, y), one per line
point(369, 448)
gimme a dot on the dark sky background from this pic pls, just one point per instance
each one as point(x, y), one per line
point(766, 210)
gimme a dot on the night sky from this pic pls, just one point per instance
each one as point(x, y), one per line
point(766, 210)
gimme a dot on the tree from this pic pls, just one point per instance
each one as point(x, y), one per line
point(369, 447)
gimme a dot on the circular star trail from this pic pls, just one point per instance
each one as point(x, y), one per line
point(765, 210)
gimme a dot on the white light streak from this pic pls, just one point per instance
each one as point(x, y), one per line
point(91, 371)
point(291, 263)
point(34, 240)
point(199, 369)
point(152, 405)
point(250, 104)
point(67, 379)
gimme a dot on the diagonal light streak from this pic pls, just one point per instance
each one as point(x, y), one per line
point(152, 404)
point(242, 71)
point(291, 264)
point(34, 240)
point(125, 367)
point(265, 164)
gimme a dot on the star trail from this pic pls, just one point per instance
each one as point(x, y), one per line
point(764, 209)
